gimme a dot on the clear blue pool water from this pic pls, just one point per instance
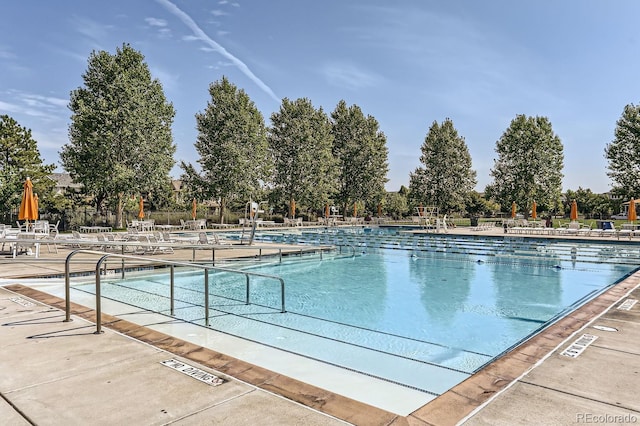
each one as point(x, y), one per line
point(422, 311)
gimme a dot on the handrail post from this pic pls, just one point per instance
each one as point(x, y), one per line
point(67, 287)
point(98, 296)
point(280, 255)
point(171, 287)
point(247, 289)
point(282, 308)
point(213, 256)
point(206, 297)
point(122, 252)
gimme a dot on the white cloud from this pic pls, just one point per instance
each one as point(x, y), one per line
point(93, 30)
point(34, 105)
point(349, 76)
point(156, 22)
point(203, 37)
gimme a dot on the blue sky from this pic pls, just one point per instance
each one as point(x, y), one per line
point(406, 63)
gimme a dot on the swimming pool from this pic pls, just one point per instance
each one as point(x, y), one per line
point(423, 311)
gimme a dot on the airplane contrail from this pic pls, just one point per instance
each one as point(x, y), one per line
point(201, 35)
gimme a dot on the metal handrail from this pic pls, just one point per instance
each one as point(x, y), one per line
point(172, 264)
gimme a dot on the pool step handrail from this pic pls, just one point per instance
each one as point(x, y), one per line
point(171, 263)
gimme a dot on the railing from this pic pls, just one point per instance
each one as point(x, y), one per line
point(172, 265)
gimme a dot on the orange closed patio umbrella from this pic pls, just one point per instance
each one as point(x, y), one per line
point(379, 210)
point(632, 215)
point(326, 210)
point(574, 210)
point(513, 210)
point(194, 207)
point(36, 201)
point(141, 209)
point(292, 208)
point(28, 205)
point(355, 209)
point(534, 208)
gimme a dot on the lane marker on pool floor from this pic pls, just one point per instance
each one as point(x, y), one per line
point(194, 372)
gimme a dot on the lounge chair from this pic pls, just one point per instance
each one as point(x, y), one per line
point(26, 243)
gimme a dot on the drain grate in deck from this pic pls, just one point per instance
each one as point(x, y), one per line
point(579, 345)
point(627, 304)
point(194, 372)
point(23, 302)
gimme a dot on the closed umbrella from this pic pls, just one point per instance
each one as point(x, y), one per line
point(194, 208)
point(292, 208)
point(513, 210)
point(631, 215)
point(141, 209)
point(326, 210)
point(379, 210)
point(534, 207)
point(36, 201)
point(420, 210)
point(28, 205)
point(574, 210)
point(355, 209)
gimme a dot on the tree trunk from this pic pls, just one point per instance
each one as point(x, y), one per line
point(223, 205)
point(119, 210)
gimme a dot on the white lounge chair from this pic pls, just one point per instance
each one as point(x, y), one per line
point(26, 243)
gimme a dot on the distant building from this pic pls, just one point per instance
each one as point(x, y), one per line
point(178, 190)
point(64, 181)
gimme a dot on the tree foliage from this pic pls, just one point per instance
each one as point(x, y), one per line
point(19, 158)
point(395, 204)
point(361, 152)
point(300, 142)
point(529, 166)
point(590, 205)
point(623, 153)
point(120, 140)
point(232, 144)
point(447, 177)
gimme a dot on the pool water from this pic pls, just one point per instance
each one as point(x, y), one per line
point(421, 311)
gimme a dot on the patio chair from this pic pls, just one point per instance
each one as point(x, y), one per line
point(26, 243)
point(156, 247)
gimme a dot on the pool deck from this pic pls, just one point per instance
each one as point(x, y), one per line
point(56, 372)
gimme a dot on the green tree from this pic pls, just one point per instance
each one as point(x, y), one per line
point(529, 166)
point(395, 204)
point(120, 140)
point(477, 205)
point(19, 158)
point(361, 151)
point(589, 204)
point(233, 149)
point(447, 176)
point(300, 142)
point(623, 153)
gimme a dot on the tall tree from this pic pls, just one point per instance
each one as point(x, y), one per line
point(120, 140)
point(300, 142)
point(361, 151)
point(19, 158)
point(623, 153)
point(529, 166)
point(232, 144)
point(447, 177)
